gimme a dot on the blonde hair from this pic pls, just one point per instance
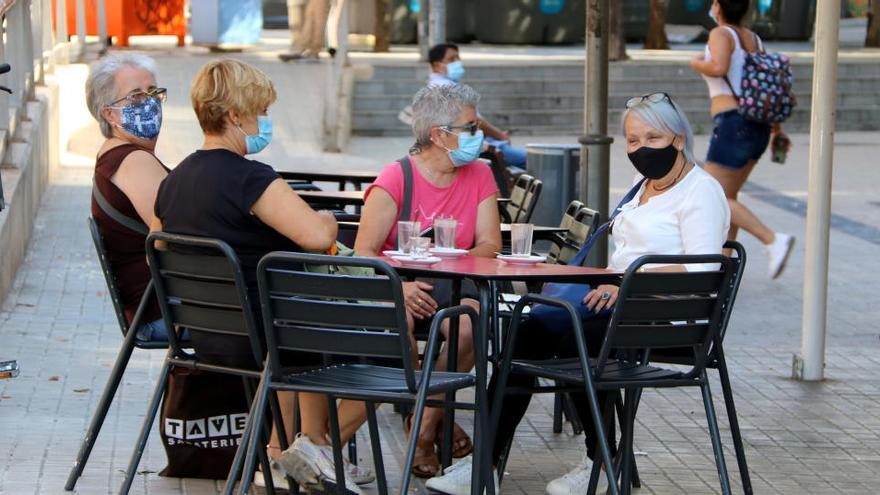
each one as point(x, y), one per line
point(224, 85)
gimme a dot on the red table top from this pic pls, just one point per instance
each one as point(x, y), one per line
point(474, 267)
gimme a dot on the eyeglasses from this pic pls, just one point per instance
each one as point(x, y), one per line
point(158, 94)
point(652, 98)
point(472, 128)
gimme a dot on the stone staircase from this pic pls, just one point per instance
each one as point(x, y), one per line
point(547, 99)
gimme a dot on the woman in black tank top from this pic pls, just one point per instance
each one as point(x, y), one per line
point(122, 95)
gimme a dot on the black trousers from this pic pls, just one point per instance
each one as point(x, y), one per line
point(534, 341)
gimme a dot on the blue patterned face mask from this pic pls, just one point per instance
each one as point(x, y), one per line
point(142, 119)
point(258, 143)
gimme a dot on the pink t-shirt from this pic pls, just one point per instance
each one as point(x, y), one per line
point(473, 184)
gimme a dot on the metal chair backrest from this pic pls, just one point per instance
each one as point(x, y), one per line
point(662, 310)
point(518, 197)
point(109, 276)
point(200, 286)
point(579, 222)
point(686, 356)
point(331, 313)
point(530, 201)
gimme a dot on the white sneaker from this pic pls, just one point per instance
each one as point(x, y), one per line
point(279, 479)
point(456, 479)
point(576, 481)
point(359, 474)
point(777, 252)
point(312, 466)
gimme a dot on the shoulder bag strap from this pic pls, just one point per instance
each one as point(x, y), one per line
point(126, 221)
point(581, 255)
point(406, 206)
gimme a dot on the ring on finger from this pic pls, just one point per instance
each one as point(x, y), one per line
point(606, 296)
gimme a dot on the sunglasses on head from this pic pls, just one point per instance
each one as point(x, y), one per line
point(652, 98)
point(472, 128)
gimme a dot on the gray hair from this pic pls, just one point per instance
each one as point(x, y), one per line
point(666, 117)
point(101, 83)
point(436, 106)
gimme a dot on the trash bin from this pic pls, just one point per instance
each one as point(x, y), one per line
point(226, 22)
point(789, 20)
point(556, 165)
point(533, 22)
point(460, 21)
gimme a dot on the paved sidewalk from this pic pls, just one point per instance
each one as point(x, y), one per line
point(816, 438)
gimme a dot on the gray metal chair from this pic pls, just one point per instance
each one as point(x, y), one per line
point(336, 314)
point(523, 199)
point(129, 344)
point(654, 311)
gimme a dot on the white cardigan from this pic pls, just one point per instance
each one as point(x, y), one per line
point(692, 217)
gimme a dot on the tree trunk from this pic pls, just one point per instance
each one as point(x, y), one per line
point(872, 39)
point(655, 39)
point(616, 36)
point(382, 26)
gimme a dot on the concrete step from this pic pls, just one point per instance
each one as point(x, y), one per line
point(499, 103)
point(569, 121)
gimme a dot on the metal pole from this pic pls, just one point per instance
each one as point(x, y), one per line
point(596, 144)
point(811, 364)
point(102, 25)
point(62, 34)
point(80, 28)
point(438, 22)
point(424, 41)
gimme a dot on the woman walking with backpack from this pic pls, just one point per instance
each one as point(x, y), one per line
point(737, 143)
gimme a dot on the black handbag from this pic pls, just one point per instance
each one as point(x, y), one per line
point(201, 423)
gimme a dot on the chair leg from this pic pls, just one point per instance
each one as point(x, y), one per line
point(152, 410)
point(557, 412)
point(337, 445)
point(85, 449)
point(626, 454)
point(618, 406)
point(604, 449)
point(238, 459)
point(378, 463)
point(715, 434)
point(418, 412)
point(570, 413)
point(258, 412)
point(733, 420)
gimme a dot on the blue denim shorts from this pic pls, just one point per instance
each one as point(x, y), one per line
point(736, 141)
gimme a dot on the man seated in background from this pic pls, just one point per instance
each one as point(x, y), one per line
point(446, 69)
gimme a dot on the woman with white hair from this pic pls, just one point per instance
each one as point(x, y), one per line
point(447, 181)
point(122, 95)
point(677, 208)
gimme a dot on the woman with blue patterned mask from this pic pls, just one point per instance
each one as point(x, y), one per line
point(124, 98)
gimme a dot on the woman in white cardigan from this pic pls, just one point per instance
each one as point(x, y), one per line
point(678, 208)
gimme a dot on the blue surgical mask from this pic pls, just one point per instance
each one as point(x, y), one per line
point(455, 70)
point(142, 119)
point(469, 147)
point(258, 143)
point(713, 16)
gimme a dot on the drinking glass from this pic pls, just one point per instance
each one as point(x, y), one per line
point(419, 246)
point(521, 239)
point(444, 232)
point(405, 232)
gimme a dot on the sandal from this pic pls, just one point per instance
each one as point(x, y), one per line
point(425, 465)
point(461, 442)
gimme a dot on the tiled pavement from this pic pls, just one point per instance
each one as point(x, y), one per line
point(800, 437)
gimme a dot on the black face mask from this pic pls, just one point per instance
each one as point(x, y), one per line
point(654, 163)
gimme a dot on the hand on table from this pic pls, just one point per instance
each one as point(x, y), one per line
point(418, 300)
point(601, 297)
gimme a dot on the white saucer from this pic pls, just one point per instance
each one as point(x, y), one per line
point(409, 260)
point(521, 260)
point(448, 252)
point(393, 252)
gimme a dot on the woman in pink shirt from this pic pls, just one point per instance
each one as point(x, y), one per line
point(447, 181)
